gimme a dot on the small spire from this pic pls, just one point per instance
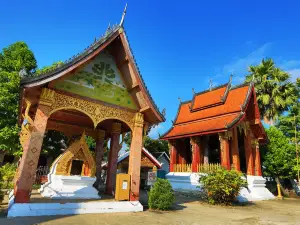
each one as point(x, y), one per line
point(210, 84)
point(193, 90)
point(230, 78)
point(179, 99)
point(123, 16)
point(164, 112)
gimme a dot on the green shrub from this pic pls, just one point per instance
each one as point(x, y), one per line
point(161, 195)
point(7, 174)
point(1, 196)
point(222, 186)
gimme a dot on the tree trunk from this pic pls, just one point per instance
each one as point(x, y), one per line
point(284, 193)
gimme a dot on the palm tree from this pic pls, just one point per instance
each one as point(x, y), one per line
point(275, 92)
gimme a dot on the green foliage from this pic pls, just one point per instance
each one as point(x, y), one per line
point(16, 57)
point(152, 145)
point(7, 173)
point(46, 69)
point(12, 59)
point(279, 155)
point(54, 143)
point(275, 93)
point(289, 123)
point(222, 186)
point(161, 195)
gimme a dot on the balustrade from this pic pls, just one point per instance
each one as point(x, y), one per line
point(201, 168)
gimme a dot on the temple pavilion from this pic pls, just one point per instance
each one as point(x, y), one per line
point(98, 92)
point(219, 127)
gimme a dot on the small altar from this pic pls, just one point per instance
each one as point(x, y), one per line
point(72, 174)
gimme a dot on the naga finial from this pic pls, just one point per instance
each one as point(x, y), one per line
point(123, 16)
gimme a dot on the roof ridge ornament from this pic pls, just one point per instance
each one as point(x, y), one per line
point(210, 84)
point(179, 100)
point(123, 16)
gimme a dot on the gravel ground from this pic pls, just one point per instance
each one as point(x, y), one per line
point(186, 210)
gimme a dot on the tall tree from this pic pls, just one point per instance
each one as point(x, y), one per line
point(13, 59)
point(289, 123)
point(279, 156)
point(275, 92)
point(17, 57)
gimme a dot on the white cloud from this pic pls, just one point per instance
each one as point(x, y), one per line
point(292, 67)
point(154, 132)
point(239, 66)
point(295, 73)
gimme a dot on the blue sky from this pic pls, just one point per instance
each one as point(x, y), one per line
point(179, 45)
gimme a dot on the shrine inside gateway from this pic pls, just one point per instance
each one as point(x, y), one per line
point(99, 93)
point(219, 127)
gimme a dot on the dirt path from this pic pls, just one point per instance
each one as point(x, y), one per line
point(185, 212)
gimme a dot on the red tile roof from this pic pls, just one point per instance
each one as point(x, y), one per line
point(211, 111)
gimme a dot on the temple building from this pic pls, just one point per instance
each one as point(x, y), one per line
point(99, 92)
point(219, 127)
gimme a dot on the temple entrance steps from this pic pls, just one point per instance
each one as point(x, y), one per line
point(41, 206)
point(187, 181)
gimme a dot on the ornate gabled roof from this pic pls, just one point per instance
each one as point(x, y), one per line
point(77, 60)
point(213, 117)
point(74, 59)
point(210, 98)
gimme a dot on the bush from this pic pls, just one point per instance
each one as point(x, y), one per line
point(161, 195)
point(222, 186)
point(7, 174)
point(1, 196)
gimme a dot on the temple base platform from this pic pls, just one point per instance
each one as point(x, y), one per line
point(78, 187)
point(40, 206)
point(185, 181)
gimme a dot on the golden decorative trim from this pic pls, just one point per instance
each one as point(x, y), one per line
point(225, 135)
point(47, 97)
point(78, 150)
point(254, 143)
point(244, 126)
point(96, 112)
point(139, 120)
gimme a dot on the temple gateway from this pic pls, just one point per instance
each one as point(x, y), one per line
point(219, 127)
point(99, 92)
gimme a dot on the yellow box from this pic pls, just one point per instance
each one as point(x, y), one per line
point(122, 187)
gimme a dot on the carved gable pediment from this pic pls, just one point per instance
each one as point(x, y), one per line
point(100, 80)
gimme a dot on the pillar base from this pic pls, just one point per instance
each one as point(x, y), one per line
point(256, 190)
point(22, 196)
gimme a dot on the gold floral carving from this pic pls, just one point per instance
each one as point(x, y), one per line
point(254, 143)
point(225, 135)
point(97, 112)
point(47, 97)
point(139, 120)
point(244, 126)
point(78, 150)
